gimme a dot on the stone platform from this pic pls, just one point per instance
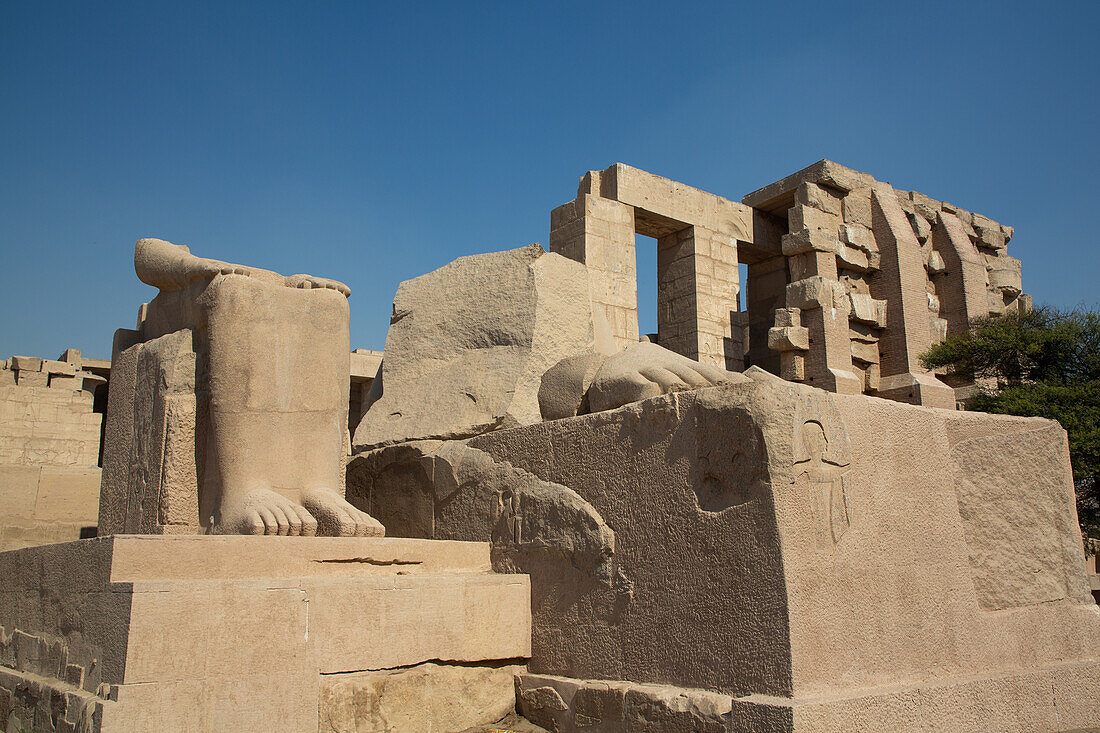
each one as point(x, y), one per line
point(136, 632)
point(765, 556)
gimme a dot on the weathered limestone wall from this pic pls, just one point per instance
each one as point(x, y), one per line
point(44, 504)
point(46, 416)
point(49, 450)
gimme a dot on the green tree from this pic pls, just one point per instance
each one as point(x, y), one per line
point(1046, 363)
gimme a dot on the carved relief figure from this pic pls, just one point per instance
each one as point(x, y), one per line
point(828, 489)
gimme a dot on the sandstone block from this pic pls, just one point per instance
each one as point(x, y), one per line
point(788, 317)
point(28, 378)
point(863, 500)
point(806, 217)
point(853, 259)
point(792, 365)
point(64, 381)
point(510, 317)
point(921, 227)
point(816, 292)
point(813, 263)
point(161, 644)
point(866, 309)
point(73, 356)
point(425, 697)
point(26, 363)
point(856, 207)
point(936, 264)
point(939, 329)
point(812, 195)
point(1004, 274)
point(925, 207)
point(865, 352)
point(809, 240)
point(858, 236)
point(58, 367)
point(991, 236)
point(872, 377)
point(788, 338)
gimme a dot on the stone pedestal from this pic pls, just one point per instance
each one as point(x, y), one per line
point(788, 559)
point(137, 632)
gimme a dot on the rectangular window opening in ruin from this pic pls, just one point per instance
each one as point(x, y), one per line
point(742, 279)
point(645, 253)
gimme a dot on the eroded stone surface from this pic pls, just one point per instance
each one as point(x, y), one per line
point(469, 343)
point(424, 697)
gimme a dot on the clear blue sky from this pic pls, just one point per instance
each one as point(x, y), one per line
point(374, 142)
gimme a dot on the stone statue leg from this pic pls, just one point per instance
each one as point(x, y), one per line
point(278, 375)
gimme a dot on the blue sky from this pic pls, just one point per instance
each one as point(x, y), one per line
point(374, 142)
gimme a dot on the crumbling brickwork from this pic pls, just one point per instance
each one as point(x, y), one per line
point(849, 279)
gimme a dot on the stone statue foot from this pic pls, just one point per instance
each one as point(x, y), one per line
point(207, 268)
point(337, 518)
point(309, 281)
point(646, 370)
point(262, 511)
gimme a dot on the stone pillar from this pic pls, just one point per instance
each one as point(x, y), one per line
point(966, 293)
point(599, 233)
point(902, 283)
point(816, 290)
point(697, 295)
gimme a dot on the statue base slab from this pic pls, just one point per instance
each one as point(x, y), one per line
point(139, 632)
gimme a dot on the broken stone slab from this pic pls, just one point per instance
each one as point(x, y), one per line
point(809, 240)
point(921, 227)
point(438, 490)
point(469, 343)
point(858, 236)
point(865, 352)
point(925, 207)
point(852, 258)
point(574, 706)
point(432, 696)
point(935, 264)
